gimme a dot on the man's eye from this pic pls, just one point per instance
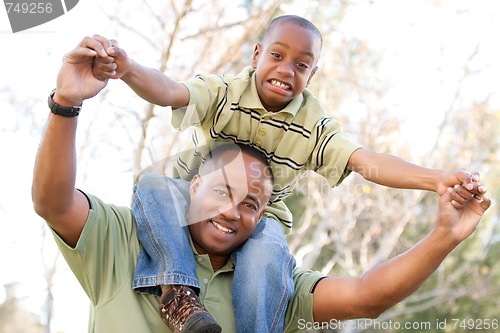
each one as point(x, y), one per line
point(221, 193)
point(251, 206)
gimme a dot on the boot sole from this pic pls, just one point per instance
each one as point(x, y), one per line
point(201, 323)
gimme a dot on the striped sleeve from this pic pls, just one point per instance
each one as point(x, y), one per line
point(332, 151)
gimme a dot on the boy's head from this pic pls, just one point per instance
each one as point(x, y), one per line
point(286, 60)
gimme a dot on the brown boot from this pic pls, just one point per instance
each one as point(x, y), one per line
point(182, 311)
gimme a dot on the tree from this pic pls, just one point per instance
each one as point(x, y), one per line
point(13, 319)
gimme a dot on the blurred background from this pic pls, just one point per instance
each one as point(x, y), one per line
point(417, 79)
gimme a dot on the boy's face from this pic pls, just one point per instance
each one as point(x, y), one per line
point(227, 204)
point(285, 63)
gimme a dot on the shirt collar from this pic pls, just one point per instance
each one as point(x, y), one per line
point(205, 260)
point(250, 98)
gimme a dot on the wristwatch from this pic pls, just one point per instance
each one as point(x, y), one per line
point(65, 111)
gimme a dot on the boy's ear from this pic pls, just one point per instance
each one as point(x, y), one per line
point(315, 69)
point(256, 53)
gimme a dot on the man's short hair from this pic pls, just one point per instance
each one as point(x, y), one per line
point(218, 149)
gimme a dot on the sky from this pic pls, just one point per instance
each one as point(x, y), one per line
point(28, 67)
point(411, 36)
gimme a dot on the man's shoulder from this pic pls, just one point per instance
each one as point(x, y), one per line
point(153, 181)
point(102, 208)
point(300, 307)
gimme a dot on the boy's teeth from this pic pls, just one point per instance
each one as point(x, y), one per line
point(279, 84)
point(218, 226)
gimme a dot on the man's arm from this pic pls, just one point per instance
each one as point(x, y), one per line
point(53, 190)
point(392, 171)
point(387, 284)
point(150, 84)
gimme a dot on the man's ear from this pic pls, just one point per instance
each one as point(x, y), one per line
point(261, 214)
point(256, 53)
point(315, 69)
point(195, 183)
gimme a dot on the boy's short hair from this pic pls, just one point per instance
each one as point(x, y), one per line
point(295, 19)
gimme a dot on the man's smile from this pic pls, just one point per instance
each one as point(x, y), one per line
point(222, 228)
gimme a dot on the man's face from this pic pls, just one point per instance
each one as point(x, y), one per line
point(227, 204)
point(285, 63)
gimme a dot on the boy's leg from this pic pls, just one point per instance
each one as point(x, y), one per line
point(166, 266)
point(166, 257)
point(263, 281)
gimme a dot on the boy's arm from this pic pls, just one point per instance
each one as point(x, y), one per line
point(392, 171)
point(53, 190)
point(150, 84)
point(387, 284)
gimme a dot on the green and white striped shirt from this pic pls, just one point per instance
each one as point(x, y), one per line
point(299, 138)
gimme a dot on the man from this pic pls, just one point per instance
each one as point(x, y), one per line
point(99, 241)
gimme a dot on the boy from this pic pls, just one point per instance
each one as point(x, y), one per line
point(266, 106)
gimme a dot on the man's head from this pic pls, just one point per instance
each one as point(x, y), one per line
point(228, 198)
point(286, 60)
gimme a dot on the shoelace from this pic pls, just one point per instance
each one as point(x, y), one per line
point(181, 303)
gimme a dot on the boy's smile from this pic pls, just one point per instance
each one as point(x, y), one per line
point(282, 85)
point(285, 62)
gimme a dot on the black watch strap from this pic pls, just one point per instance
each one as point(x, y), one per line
point(65, 111)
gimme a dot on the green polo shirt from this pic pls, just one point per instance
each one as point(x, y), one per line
point(104, 261)
point(299, 138)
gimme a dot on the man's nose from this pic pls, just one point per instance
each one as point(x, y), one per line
point(230, 212)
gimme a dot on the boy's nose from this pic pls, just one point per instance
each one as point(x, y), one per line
point(286, 68)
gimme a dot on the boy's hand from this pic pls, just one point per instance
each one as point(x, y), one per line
point(452, 178)
point(113, 66)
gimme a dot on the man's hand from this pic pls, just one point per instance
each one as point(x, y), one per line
point(75, 80)
point(461, 209)
point(115, 64)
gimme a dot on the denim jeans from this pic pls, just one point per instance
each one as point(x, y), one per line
point(262, 284)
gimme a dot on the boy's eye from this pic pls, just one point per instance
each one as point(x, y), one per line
point(302, 65)
point(276, 55)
